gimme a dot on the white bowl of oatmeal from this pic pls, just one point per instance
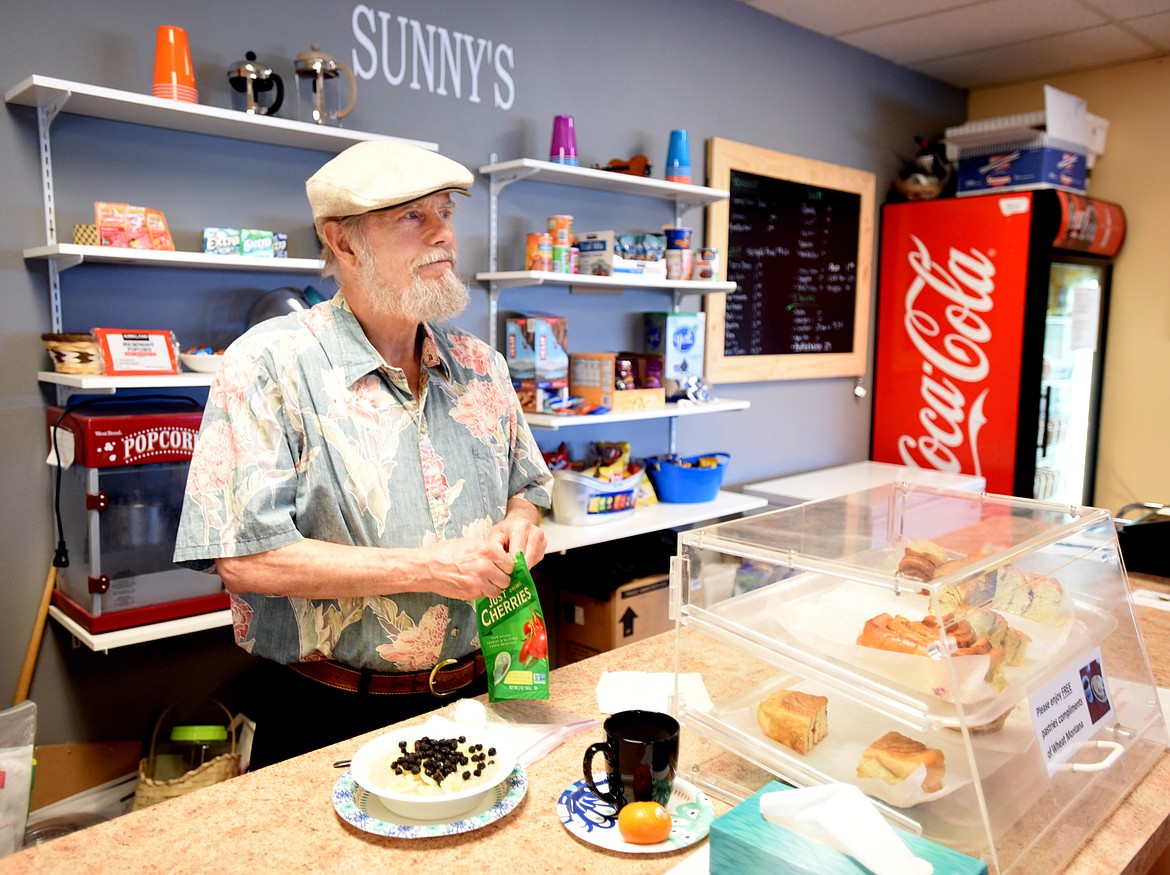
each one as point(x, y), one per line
point(427, 774)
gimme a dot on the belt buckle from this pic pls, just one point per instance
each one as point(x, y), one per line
point(435, 671)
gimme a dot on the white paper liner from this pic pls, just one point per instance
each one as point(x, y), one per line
point(828, 615)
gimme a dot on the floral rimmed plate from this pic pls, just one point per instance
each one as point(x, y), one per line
point(594, 821)
point(365, 811)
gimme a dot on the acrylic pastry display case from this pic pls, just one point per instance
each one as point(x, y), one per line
point(996, 632)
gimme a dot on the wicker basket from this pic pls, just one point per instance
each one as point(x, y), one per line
point(73, 353)
point(148, 791)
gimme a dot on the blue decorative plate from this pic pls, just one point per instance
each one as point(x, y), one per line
point(594, 821)
point(364, 810)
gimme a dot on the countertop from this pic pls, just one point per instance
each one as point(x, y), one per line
point(281, 819)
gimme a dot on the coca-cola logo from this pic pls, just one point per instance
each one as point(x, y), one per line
point(954, 363)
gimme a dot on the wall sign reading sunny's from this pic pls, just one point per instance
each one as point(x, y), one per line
point(799, 240)
point(406, 51)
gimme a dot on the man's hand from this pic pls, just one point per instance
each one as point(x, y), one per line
point(519, 531)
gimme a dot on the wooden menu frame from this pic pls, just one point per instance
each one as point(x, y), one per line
point(726, 156)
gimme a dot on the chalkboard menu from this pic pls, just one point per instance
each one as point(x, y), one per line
point(797, 238)
point(792, 252)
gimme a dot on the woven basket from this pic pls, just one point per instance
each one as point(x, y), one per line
point(148, 791)
point(73, 353)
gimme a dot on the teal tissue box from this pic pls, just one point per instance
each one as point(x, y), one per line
point(743, 843)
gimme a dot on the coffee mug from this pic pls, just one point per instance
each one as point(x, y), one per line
point(641, 756)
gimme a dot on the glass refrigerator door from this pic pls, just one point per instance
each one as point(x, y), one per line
point(1072, 359)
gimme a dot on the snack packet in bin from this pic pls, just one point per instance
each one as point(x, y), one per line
point(514, 639)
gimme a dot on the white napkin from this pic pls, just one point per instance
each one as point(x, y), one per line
point(842, 818)
point(649, 691)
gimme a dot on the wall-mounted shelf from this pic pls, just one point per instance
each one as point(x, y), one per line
point(99, 383)
point(555, 422)
point(104, 642)
point(69, 255)
point(686, 196)
point(650, 519)
point(515, 278)
point(194, 118)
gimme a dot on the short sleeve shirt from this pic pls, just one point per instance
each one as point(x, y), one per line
point(308, 433)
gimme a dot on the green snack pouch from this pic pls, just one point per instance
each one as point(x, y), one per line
point(514, 639)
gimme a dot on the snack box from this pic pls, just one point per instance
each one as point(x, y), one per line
point(256, 243)
point(535, 347)
point(221, 241)
point(1019, 165)
point(541, 396)
point(597, 256)
point(678, 338)
point(591, 377)
point(744, 843)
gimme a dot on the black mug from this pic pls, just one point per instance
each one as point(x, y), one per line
point(641, 756)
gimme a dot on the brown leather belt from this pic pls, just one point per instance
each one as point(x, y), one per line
point(445, 679)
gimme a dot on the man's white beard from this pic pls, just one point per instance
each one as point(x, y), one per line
point(424, 300)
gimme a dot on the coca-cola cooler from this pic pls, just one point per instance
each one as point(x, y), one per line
point(992, 312)
point(118, 501)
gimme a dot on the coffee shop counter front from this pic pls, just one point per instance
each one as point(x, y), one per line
point(281, 818)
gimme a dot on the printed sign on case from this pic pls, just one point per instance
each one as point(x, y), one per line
point(1067, 711)
point(137, 352)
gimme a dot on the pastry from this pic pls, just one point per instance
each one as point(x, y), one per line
point(795, 719)
point(894, 757)
point(1037, 599)
point(921, 638)
point(991, 726)
point(996, 630)
point(920, 560)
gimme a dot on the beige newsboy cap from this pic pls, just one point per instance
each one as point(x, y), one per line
point(376, 174)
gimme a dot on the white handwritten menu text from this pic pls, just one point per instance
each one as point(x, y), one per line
point(791, 250)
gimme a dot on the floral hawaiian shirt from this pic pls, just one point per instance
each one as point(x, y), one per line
point(308, 433)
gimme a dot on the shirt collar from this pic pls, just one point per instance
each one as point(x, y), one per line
point(358, 355)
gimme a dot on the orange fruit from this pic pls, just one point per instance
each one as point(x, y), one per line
point(644, 823)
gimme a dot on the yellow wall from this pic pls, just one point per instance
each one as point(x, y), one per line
point(1133, 461)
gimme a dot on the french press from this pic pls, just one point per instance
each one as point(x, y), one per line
point(254, 83)
point(318, 98)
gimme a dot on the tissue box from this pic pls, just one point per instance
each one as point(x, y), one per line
point(743, 843)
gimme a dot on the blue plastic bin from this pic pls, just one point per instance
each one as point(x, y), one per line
point(675, 484)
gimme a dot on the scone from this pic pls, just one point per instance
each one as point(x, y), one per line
point(1037, 599)
point(894, 757)
point(795, 719)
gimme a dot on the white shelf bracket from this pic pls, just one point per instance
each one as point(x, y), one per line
point(493, 313)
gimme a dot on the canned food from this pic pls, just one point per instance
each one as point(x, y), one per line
point(539, 253)
point(561, 258)
point(561, 228)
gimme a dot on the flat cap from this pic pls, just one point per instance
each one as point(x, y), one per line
point(376, 174)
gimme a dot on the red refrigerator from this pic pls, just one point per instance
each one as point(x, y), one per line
point(992, 312)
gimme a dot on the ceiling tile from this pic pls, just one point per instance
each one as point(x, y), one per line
point(834, 17)
point(1155, 28)
point(972, 28)
point(1120, 10)
point(1083, 50)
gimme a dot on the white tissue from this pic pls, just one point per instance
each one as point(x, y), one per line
point(840, 816)
point(649, 691)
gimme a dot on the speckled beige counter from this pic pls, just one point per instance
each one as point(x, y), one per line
point(281, 819)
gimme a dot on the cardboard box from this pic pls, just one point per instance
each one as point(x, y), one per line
point(635, 610)
point(678, 338)
point(1052, 148)
point(536, 347)
point(597, 256)
point(592, 378)
point(541, 396)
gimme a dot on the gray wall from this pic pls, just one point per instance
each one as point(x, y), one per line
point(627, 74)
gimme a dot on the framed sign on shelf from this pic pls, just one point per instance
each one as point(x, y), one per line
point(798, 241)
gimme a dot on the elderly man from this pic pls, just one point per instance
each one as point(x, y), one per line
point(363, 472)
